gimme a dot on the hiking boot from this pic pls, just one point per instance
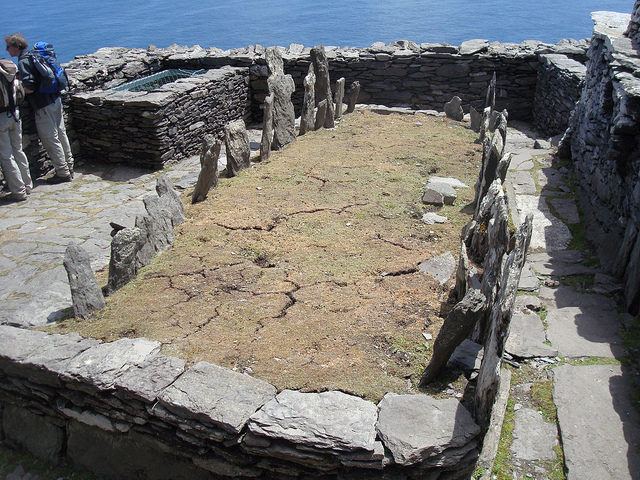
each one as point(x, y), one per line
point(58, 179)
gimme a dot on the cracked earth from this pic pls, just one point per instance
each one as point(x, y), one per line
point(303, 270)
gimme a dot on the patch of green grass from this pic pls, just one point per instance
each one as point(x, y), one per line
point(541, 394)
point(586, 361)
point(579, 282)
point(502, 462)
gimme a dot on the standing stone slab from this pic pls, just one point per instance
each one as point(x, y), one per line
point(155, 229)
point(208, 177)
point(217, 395)
point(307, 118)
point(101, 365)
point(321, 114)
point(453, 109)
point(123, 264)
point(281, 86)
point(86, 295)
point(267, 128)
point(352, 96)
point(323, 83)
point(170, 200)
point(416, 427)
point(331, 420)
point(236, 141)
point(339, 97)
point(476, 119)
point(599, 426)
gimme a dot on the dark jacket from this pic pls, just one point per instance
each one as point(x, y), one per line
point(31, 80)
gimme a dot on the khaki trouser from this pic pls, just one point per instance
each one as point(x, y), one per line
point(53, 135)
point(15, 165)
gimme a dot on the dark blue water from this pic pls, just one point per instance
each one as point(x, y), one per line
point(77, 27)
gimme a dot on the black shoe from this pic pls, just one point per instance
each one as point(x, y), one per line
point(58, 179)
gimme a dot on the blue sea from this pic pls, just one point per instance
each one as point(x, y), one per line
point(77, 27)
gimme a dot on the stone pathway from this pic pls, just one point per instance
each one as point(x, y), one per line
point(34, 289)
point(566, 333)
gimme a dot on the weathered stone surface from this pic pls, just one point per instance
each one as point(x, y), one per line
point(453, 109)
point(155, 229)
point(457, 326)
point(236, 141)
point(431, 218)
point(441, 267)
point(217, 395)
point(528, 280)
point(321, 113)
point(323, 84)
point(307, 118)
point(332, 420)
point(352, 96)
point(549, 232)
point(449, 194)
point(476, 45)
point(533, 438)
point(559, 263)
point(475, 118)
point(101, 365)
point(170, 200)
point(416, 427)
point(123, 265)
point(452, 182)
point(467, 355)
point(267, 128)
point(147, 379)
point(527, 337)
point(602, 445)
point(339, 97)
point(85, 293)
point(208, 177)
point(40, 437)
point(432, 197)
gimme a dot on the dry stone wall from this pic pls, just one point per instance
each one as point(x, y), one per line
point(604, 142)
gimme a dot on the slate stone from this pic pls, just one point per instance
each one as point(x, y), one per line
point(529, 302)
point(527, 337)
point(156, 230)
point(475, 119)
point(339, 97)
point(533, 438)
point(101, 365)
point(321, 113)
point(281, 86)
point(476, 45)
point(549, 232)
point(432, 197)
point(236, 141)
point(528, 280)
point(267, 128)
point(467, 355)
point(170, 200)
point(441, 267)
point(86, 295)
point(598, 422)
point(453, 109)
point(323, 84)
point(584, 331)
point(452, 182)
point(565, 296)
point(17, 344)
point(559, 263)
point(146, 380)
point(522, 182)
point(208, 177)
point(566, 209)
point(42, 438)
point(416, 427)
point(352, 96)
point(431, 218)
point(217, 395)
point(307, 117)
point(123, 265)
point(331, 420)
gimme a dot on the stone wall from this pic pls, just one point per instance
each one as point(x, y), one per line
point(633, 30)
point(151, 129)
point(92, 402)
point(603, 139)
point(559, 85)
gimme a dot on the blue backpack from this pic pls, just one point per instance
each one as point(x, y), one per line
point(53, 78)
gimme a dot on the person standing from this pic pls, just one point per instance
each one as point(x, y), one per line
point(15, 165)
point(48, 111)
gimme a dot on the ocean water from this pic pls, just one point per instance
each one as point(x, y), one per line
point(77, 27)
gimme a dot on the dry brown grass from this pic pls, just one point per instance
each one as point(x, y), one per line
point(302, 270)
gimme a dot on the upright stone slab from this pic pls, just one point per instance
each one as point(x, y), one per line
point(476, 119)
point(453, 109)
point(321, 114)
point(155, 226)
point(267, 128)
point(490, 99)
point(323, 83)
point(307, 118)
point(339, 97)
point(352, 96)
point(170, 200)
point(281, 86)
point(123, 264)
point(208, 177)
point(86, 295)
point(236, 141)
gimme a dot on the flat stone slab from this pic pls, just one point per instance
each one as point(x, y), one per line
point(530, 302)
point(441, 268)
point(528, 280)
point(332, 420)
point(565, 296)
point(566, 208)
point(559, 263)
point(584, 331)
point(527, 337)
point(414, 427)
point(549, 233)
point(217, 395)
point(600, 428)
point(431, 218)
point(522, 159)
point(148, 379)
point(552, 178)
point(533, 438)
point(452, 182)
point(522, 182)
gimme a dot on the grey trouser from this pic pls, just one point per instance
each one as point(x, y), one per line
point(15, 165)
point(53, 135)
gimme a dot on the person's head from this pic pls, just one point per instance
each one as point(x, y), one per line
point(15, 44)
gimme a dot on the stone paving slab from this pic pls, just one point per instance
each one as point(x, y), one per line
point(533, 438)
point(549, 232)
point(599, 426)
point(527, 337)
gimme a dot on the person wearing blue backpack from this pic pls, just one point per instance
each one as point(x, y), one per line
point(43, 80)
